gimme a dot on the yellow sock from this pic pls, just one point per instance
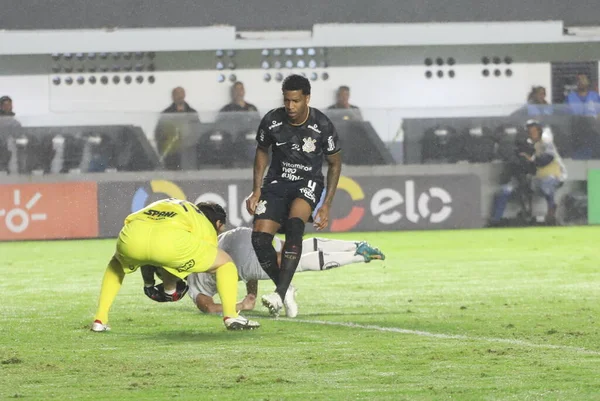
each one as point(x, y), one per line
point(227, 285)
point(111, 283)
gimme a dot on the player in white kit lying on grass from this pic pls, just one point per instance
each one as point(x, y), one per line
point(317, 254)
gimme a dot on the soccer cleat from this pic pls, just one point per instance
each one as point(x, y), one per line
point(98, 326)
point(273, 303)
point(240, 323)
point(368, 252)
point(291, 307)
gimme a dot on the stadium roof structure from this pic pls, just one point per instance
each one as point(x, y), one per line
point(282, 15)
point(322, 35)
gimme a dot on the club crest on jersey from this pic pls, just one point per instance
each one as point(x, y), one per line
point(314, 127)
point(309, 145)
point(275, 124)
point(261, 207)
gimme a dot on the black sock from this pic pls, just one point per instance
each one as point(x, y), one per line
point(290, 255)
point(266, 254)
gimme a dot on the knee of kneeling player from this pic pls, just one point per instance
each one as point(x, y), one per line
point(261, 241)
point(294, 230)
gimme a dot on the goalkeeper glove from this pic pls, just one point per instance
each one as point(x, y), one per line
point(157, 293)
point(154, 293)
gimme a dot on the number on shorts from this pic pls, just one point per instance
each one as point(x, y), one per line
point(311, 185)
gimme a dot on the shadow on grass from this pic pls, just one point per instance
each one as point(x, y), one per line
point(199, 336)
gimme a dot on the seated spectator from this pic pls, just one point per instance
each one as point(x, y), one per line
point(342, 107)
point(179, 120)
point(238, 92)
point(583, 101)
point(537, 105)
point(10, 134)
point(179, 104)
point(6, 107)
point(584, 105)
point(546, 166)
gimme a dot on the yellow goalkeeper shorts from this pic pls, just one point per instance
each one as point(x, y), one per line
point(176, 249)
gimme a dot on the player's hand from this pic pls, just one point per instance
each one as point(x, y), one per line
point(157, 292)
point(252, 201)
point(322, 218)
point(180, 290)
point(154, 293)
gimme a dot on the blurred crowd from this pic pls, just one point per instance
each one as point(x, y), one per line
point(178, 121)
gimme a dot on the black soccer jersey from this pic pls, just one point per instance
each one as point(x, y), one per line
point(297, 151)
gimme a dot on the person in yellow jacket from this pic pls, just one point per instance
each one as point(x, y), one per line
point(177, 235)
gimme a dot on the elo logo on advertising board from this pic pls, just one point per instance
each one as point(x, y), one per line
point(389, 206)
point(365, 203)
point(362, 203)
point(48, 211)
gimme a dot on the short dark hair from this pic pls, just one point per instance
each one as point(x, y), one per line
point(213, 212)
point(296, 82)
point(5, 99)
point(344, 88)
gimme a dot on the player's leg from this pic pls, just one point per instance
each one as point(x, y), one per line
point(111, 283)
point(300, 212)
point(316, 261)
point(132, 246)
point(198, 253)
point(227, 279)
point(262, 242)
point(267, 220)
point(328, 245)
point(500, 202)
point(547, 186)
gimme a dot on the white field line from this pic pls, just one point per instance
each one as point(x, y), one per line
point(419, 333)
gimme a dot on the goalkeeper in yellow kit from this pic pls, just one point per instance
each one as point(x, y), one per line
point(176, 235)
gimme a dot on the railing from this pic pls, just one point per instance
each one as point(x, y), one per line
point(108, 142)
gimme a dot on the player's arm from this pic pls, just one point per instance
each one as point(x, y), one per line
point(148, 275)
point(261, 161)
point(207, 304)
point(333, 176)
point(333, 156)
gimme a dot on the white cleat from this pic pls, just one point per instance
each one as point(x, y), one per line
point(240, 323)
point(291, 307)
point(273, 303)
point(98, 326)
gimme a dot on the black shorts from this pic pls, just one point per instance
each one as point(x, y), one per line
point(276, 198)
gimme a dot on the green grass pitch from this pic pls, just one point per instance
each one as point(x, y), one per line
point(453, 315)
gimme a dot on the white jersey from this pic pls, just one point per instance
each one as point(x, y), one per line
point(238, 244)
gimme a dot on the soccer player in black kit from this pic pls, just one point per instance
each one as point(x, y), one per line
point(300, 137)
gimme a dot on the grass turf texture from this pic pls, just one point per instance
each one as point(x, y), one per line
point(522, 306)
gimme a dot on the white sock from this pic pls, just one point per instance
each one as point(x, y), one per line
point(327, 245)
point(170, 292)
point(315, 261)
